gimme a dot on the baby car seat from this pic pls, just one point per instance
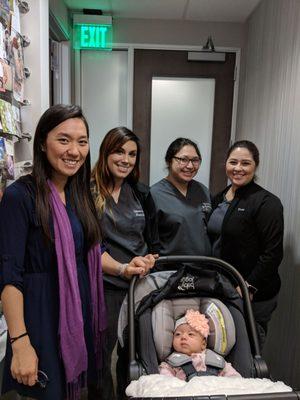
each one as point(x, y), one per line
point(154, 321)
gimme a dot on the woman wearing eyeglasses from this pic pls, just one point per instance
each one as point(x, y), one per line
point(182, 204)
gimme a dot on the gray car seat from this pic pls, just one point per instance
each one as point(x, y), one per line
point(209, 289)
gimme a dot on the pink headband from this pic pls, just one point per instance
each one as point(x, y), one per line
point(196, 320)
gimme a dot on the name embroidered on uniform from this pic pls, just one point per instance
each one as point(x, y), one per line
point(139, 213)
point(241, 209)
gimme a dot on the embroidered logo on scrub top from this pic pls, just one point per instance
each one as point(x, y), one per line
point(241, 209)
point(138, 213)
point(206, 207)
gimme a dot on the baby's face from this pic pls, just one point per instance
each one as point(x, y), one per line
point(187, 340)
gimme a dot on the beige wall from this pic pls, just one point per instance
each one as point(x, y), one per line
point(163, 31)
point(269, 114)
point(60, 11)
point(178, 33)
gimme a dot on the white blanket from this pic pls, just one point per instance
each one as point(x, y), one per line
point(165, 386)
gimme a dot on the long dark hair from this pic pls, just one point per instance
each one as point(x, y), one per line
point(78, 184)
point(177, 145)
point(101, 175)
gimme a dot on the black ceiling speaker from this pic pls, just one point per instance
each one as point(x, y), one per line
point(90, 11)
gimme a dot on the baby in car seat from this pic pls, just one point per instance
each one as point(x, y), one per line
point(191, 357)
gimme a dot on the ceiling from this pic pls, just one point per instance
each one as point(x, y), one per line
point(191, 10)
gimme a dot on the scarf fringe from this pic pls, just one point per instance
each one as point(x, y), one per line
point(74, 388)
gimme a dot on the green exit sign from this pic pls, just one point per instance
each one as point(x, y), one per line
point(90, 36)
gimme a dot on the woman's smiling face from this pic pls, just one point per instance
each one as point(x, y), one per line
point(184, 165)
point(122, 161)
point(240, 167)
point(66, 148)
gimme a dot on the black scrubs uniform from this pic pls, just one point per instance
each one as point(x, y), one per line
point(122, 226)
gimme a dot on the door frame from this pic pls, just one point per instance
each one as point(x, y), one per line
point(130, 47)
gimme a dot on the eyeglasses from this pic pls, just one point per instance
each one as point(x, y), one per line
point(42, 379)
point(184, 161)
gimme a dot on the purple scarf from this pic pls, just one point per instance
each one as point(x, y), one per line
point(71, 330)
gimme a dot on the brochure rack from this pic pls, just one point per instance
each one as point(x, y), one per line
point(13, 74)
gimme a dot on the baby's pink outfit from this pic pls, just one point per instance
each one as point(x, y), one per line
point(198, 360)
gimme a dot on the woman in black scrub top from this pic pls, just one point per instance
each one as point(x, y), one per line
point(127, 219)
point(182, 204)
point(246, 229)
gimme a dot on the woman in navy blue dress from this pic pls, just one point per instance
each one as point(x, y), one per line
point(50, 265)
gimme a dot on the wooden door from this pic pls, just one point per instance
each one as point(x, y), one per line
point(169, 63)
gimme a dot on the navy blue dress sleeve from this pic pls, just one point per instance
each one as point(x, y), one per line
point(14, 225)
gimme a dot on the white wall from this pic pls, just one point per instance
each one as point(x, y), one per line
point(269, 115)
point(193, 100)
point(103, 93)
point(35, 25)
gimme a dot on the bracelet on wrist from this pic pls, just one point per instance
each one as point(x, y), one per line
point(14, 339)
point(122, 269)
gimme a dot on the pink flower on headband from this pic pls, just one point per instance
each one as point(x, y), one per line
point(198, 321)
